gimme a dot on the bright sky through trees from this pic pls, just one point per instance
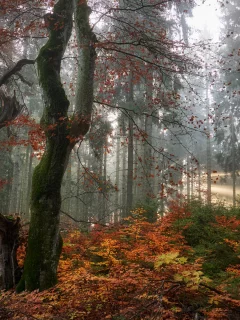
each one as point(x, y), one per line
point(206, 17)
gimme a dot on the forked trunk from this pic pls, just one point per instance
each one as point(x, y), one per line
point(44, 243)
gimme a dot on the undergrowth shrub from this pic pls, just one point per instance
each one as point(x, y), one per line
point(141, 270)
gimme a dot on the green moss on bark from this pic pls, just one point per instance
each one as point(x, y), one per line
point(45, 243)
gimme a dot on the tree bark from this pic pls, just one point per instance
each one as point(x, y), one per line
point(130, 150)
point(116, 212)
point(124, 180)
point(188, 178)
point(209, 150)
point(148, 183)
point(130, 168)
point(233, 151)
point(15, 187)
point(29, 183)
point(9, 270)
point(45, 243)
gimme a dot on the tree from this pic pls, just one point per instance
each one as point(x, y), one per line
point(227, 97)
point(44, 243)
point(156, 52)
point(9, 235)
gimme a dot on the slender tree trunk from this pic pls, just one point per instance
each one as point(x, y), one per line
point(136, 171)
point(29, 184)
point(85, 208)
point(192, 183)
point(130, 151)
point(184, 28)
point(162, 189)
point(105, 213)
point(130, 169)
point(148, 183)
point(124, 171)
point(101, 212)
point(209, 152)
point(9, 270)
point(188, 179)
point(233, 160)
point(9, 187)
point(15, 188)
point(20, 191)
point(68, 188)
point(116, 211)
point(141, 167)
point(157, 161)
point(78, 206)
point(25, 181)
point(199, 182)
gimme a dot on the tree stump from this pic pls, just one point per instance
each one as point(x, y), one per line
point(9, 235)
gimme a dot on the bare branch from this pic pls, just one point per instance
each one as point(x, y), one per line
point(15, 69)
point(82, 221)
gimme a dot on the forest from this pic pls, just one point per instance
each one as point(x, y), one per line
point(119, 159)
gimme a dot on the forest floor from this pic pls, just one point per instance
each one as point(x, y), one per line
point(185, 265)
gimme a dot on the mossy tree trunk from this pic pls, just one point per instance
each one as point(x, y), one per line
point(44, 243)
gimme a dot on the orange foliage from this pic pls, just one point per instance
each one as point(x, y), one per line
point(135, 270)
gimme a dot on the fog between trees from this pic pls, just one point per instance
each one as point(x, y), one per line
point(115, 105)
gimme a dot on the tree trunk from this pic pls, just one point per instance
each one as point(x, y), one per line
point(124, 193)
point(148, 182)
point(209, 151)
point(29, 184)
point(130, 169)
point(9, 270)
point(116, 211)
point(44, 243)
point(84, 212)
point(199, 182)
point(188, 178)
point(130, 150)
point(78, 203)
point(68, 188)
point(15, 187)
point(135, 170)
point(233, 151)
point(192, 182)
